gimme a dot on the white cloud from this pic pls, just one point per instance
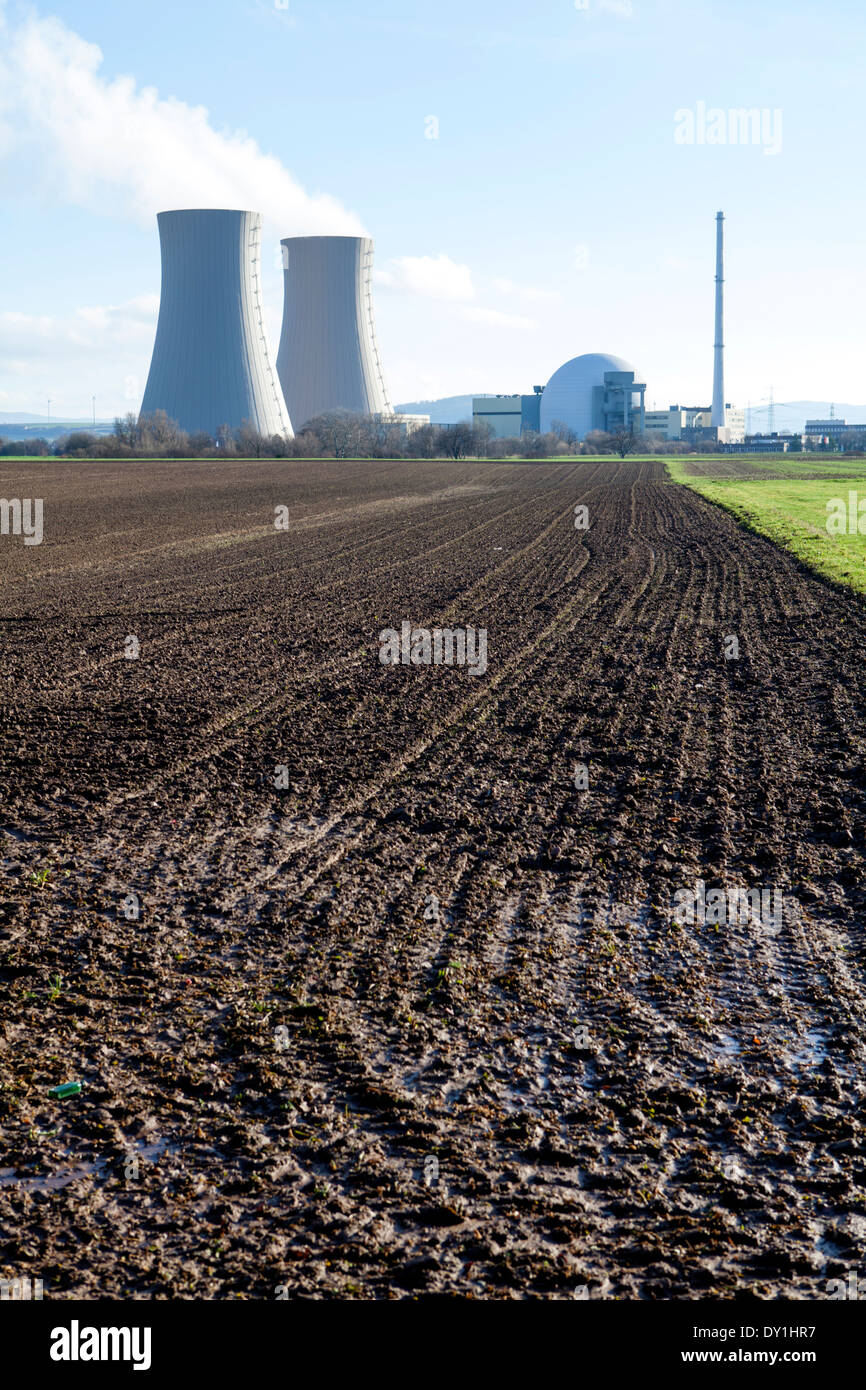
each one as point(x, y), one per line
point(435, 276)
point(142, 309)
point(104, 330)
point(440, 278)
point(100, 349)
point(114, 144)
point(528, 293)
point(496, 318)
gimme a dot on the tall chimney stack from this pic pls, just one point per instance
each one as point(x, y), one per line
point(718, 416)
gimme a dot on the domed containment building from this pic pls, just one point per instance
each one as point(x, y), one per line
point(210, 364)
point(594, 392)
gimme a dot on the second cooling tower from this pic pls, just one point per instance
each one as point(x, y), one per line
point(328, 358)
point(210, 364)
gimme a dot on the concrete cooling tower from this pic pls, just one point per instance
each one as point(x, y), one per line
point(210, 364)
point(328, 358)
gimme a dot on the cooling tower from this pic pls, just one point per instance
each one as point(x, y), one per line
point(718, 415)
point(210, 364)
point(328, 358)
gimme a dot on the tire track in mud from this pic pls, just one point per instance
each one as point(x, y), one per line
point(660, 1154)
point(214, 622)
point(267, 707)
point(726, 755)
point(256, 709)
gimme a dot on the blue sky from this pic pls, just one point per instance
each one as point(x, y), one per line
point(559, 209)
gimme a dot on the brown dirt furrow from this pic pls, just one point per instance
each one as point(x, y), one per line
point(424, 1021)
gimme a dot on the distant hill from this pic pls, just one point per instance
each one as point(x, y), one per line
point(444, 411)
point(20, 417)
point(22, 426)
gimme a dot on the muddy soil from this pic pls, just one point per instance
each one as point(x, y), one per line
point(370, 993)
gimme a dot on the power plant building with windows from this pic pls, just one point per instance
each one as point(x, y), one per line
point(508, 416)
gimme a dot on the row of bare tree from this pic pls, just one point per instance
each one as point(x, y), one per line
point(337, 434)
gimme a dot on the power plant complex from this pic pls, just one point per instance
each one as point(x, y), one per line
point(211, 365)
point(597, 392)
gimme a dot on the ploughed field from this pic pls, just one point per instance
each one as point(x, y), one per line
point(423, 1021)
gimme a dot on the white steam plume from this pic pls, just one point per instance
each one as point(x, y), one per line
point(113, 145)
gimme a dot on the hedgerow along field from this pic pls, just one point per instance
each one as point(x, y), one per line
point(406, 1008)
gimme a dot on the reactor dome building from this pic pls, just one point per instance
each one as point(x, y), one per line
point(594, 392)
point(328, 357)
point(210, 364)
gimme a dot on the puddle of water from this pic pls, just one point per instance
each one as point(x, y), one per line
point(52, 1182)
point(813, 1052)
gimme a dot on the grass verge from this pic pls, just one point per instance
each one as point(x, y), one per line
point(793, 511)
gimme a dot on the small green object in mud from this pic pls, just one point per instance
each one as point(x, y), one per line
point(69, 1088)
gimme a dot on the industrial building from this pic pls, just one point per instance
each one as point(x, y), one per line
point(777, 443)
point(508, 416)
point(210, 364)
point(597, 391)
point(834, 434)
point(594, 392)
point(328, 357)
point(407, 423)
point(825, 431)
point(694, 423)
